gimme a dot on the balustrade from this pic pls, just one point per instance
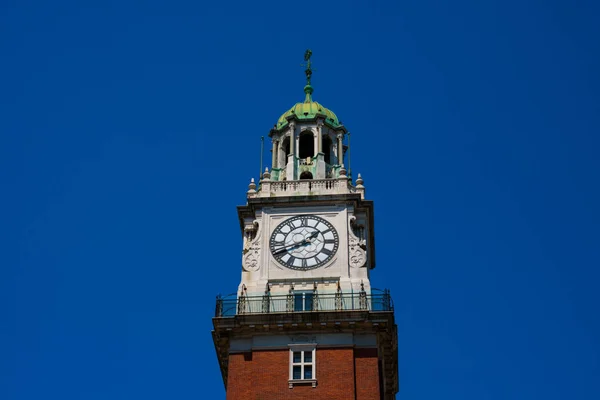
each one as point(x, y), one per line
point(304, 187)
point(267, 304)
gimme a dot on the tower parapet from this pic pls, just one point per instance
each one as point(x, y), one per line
point(306, 187)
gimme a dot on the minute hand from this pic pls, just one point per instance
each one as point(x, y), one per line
point(293, 246)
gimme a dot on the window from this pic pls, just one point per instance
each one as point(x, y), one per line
point(302, 365)
point(303, 301)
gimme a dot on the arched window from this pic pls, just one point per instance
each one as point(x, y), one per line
point(326, 146)
point(306, 175)
point(284, 151)
point(307, 145)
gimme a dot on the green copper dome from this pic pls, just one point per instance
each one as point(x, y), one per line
point(308, 110)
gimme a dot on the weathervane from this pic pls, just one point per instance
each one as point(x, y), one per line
point(308, 70)
point(308, 89)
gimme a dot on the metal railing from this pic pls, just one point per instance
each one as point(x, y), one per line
point(311, 301)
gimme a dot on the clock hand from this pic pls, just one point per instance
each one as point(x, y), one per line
point(290, 247)
point(296, 245)
point(282, 250)
point(309, 238)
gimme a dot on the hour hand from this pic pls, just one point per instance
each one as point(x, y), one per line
point(282, 250)
point(286, 248)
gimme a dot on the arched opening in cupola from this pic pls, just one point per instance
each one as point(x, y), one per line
point(306, 175)
point(307, 145)
point(326, 146)
point(284, 151)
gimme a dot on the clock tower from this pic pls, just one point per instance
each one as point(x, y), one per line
point(305, 321)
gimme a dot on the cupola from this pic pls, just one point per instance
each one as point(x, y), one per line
point(307, 139)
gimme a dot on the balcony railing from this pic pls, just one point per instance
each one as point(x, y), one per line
point(303, 302)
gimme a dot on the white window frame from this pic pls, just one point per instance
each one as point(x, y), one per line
point(303, 348)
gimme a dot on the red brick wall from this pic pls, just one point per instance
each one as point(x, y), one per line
point(367, 374)
point(263, 375)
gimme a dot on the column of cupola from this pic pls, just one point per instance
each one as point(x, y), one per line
point(274, 156)
point(291, 161)
point(340, 148)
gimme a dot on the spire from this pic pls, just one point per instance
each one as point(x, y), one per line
point(308, 89)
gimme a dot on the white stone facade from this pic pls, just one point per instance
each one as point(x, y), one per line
point(348, 269)
point(286, 192)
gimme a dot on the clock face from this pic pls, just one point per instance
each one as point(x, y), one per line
point(304, 242)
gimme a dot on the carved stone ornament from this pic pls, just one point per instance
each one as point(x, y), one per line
point(251, 252)
point(357, 254)
point(251, 261)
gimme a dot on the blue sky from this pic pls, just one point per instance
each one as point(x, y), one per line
point(129, 132)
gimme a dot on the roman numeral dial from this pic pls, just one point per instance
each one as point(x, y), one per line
point(304, 242)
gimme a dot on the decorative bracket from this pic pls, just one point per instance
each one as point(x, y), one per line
point(357, 245)
point(251, 251)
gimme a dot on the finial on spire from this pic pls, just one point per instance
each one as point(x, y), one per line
point(252, 186)
point(266, 175)
point(308, 71)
